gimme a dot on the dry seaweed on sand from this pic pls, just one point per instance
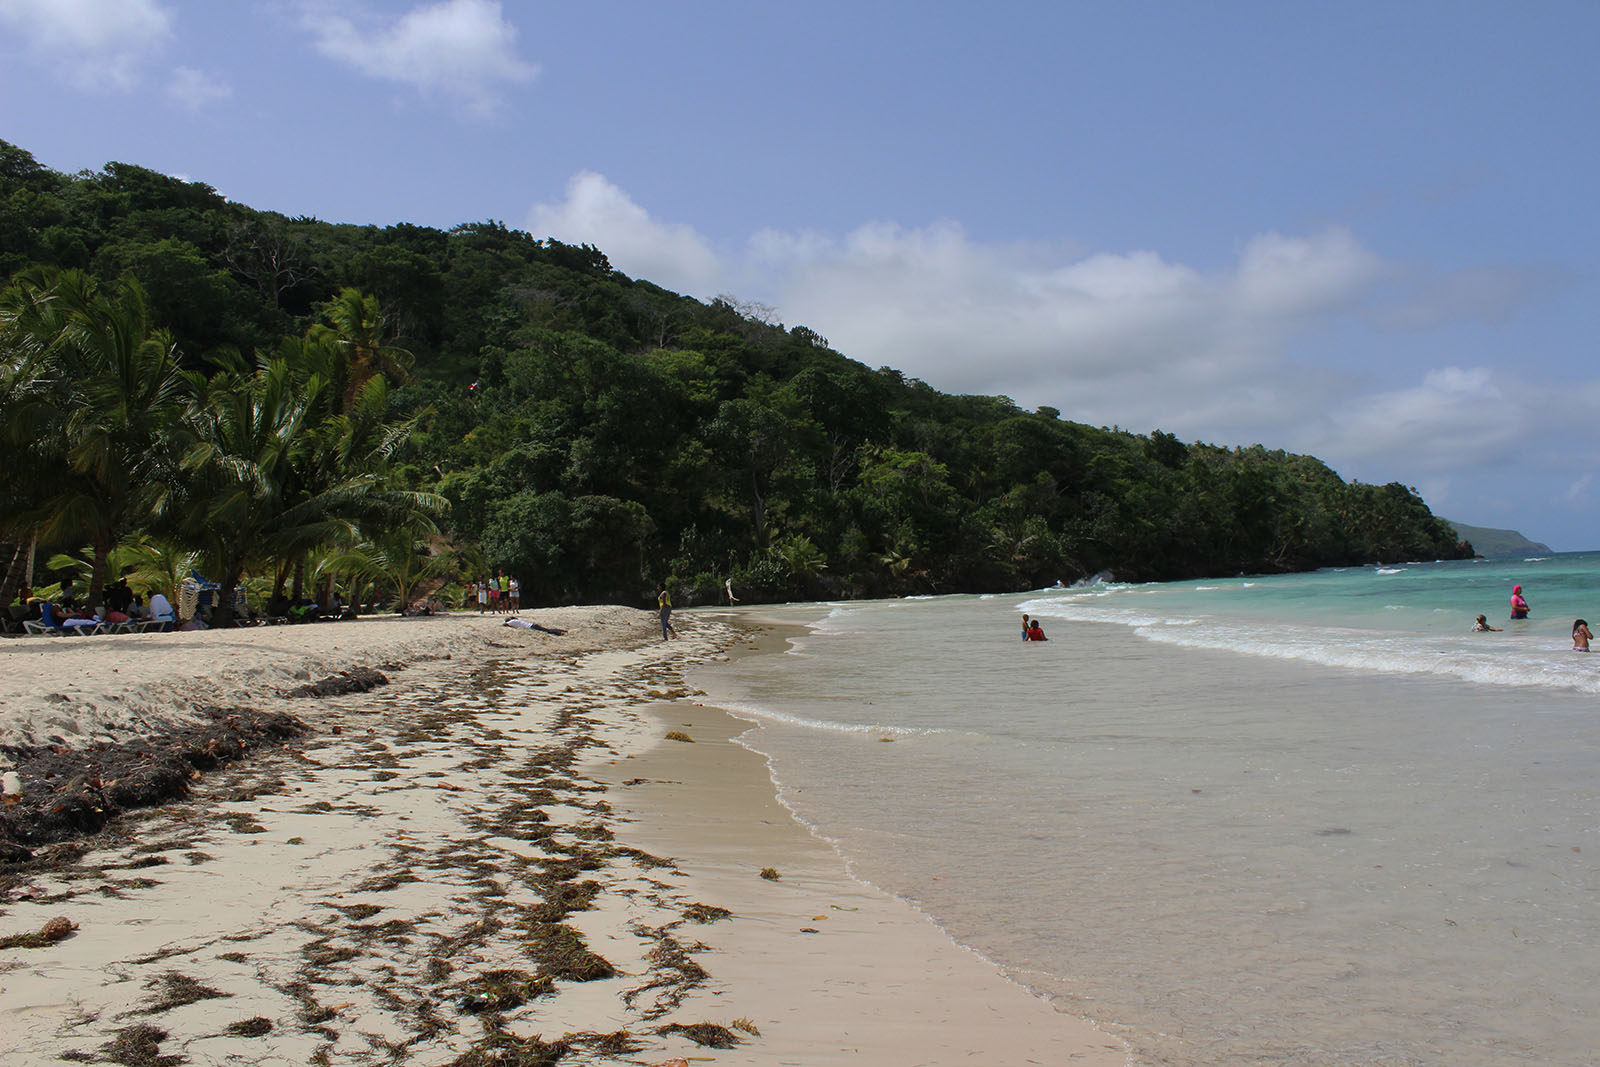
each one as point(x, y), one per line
point(139, 1046)
point(501, 1049)
point(561, 952)
point(69, 792)
point(176, 990)
point(706, 1035)
point(705, 913)
point(57, 929)
point(618, 1043)
point(770, 874)
point(358, 680)
point(260, 1026)
point(502, 990)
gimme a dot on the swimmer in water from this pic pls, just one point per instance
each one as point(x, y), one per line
point(1581, 636)
point(1519, 606)
point(1482, 625)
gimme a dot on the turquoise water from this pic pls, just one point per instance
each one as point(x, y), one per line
point(1305, 819)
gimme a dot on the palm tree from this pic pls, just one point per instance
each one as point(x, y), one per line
point(28, 411)
point(272, 479)
point(354, 331)
point(117, 387)
point(398, 558)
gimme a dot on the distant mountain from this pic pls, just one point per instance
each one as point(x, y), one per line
point(1491, 542)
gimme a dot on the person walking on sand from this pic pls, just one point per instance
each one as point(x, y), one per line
point(1519, 606)
point(1581, 636)
point(1482, 626)
point(664, 606)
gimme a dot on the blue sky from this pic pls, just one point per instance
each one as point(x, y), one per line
point(1362, 230)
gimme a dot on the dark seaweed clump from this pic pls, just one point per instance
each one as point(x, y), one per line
point(357, 680)
point(68, 792)
point(706, 1035)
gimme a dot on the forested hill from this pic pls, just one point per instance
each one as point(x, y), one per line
point(596, 434)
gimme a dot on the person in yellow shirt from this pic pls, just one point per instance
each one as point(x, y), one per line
point(664, 605)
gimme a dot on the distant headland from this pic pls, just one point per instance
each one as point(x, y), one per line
point(1491, 542)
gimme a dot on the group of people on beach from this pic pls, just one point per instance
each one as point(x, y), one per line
point(1520, 610)
point(65, 612)
point(496, 594)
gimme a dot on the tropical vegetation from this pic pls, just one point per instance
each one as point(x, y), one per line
point(404, 407)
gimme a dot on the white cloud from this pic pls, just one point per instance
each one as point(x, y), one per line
point(463, 49)
point(1285, 345)
point(598, 213)
point(1128, 338)
point(1457, 417)
point(102, 43)
point(195, 90)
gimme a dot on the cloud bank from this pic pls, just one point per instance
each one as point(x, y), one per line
point(464, 50)
point(102, 44)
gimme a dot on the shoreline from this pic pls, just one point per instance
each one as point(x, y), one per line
point(833, 969)
point(441, 870)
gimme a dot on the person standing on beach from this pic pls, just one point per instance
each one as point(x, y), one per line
point(664, 606)
point(483, 596)
point(514, 587)
point(727, 585)
point(1519, 606)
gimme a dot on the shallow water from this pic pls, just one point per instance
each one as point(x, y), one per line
point(1246, 843)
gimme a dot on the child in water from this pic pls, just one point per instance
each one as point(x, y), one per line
point(1581, 636)
point(1482, 625)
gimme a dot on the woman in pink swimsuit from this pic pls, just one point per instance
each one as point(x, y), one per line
point(1519, 606)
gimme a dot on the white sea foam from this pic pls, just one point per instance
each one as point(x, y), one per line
point(764, 713)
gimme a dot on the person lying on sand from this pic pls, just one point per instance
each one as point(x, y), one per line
point(524, 624)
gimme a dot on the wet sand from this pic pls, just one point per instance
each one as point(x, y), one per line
point(494, 858)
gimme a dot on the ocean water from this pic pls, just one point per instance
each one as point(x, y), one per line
point(1301, 819)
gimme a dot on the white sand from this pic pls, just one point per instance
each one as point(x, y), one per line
point(386, 863)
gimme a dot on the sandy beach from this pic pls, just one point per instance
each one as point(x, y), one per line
point(495, 856)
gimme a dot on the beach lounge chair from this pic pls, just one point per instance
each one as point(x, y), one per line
point(47, 623)
point(109, 627)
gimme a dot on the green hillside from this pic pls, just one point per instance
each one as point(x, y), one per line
point(590, 432)
point(1487, 541)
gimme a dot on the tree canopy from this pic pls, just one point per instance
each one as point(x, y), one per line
point(592, 433)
